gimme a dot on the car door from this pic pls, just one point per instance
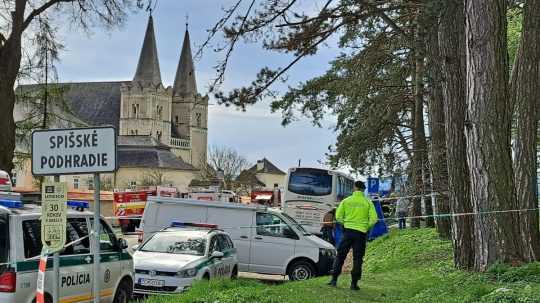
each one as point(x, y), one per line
point(75, 281)
point(272, 245)
point(230, 258)
point(110, 267)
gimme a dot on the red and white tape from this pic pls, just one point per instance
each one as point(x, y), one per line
point(40, 291)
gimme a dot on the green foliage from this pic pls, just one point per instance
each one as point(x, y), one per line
point(404, 266)
point(515, 19)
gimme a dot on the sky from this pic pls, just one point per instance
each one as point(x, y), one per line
point(256, 133)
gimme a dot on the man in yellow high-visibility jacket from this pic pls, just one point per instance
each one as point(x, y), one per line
point(357, 214)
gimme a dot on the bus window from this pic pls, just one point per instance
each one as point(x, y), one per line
point(310, 182)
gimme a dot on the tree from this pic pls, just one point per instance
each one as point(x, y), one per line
point(154, 177)
point(227, 160)
point(19, 18)
point(525, 95)
point(488, 132)
point(453, 69)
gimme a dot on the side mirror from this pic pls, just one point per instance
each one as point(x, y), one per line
point(217, 254)
point(122, 243)
point(135, 247)
point(289, 233)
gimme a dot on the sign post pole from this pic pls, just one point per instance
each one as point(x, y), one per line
point(97, 224)
point(56, 267)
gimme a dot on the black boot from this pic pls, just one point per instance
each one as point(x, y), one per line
point(332, 282)
point(354, 285)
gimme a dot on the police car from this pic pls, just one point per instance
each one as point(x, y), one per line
point(171, 259)
point(20, 247)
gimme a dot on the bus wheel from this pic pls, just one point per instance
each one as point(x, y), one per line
point(301, 270)
point(123, 293)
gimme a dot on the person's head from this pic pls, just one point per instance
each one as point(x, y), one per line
point(359, 186)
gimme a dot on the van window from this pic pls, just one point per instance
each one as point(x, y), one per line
point(76, 228)
point(272, 226)
point(4, 238)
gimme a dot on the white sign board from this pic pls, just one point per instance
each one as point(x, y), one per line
point(53, 215)
point(74, 151)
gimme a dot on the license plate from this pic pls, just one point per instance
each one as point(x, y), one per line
point(151, 282)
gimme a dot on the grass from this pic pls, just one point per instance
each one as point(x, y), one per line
point(404, 266)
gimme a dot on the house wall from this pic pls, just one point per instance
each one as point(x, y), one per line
point(270, 179)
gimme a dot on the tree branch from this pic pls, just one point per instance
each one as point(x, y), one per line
point(40, 10)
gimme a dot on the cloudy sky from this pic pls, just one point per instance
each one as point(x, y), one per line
point(112, 56)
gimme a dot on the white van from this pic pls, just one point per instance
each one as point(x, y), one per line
point(267, 240)
point(20, 247)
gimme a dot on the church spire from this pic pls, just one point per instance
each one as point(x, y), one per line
point(184, 81)
point(148, 66)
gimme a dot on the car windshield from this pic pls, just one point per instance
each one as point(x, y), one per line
point(4, 238)
point(173, 243)
point(295, 223)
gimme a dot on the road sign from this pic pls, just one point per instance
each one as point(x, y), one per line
point(53, 215)
point(74, 151)
point(373, 185)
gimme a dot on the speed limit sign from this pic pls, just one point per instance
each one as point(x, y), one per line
point(53, 215)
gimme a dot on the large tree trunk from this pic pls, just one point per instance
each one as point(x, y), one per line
point(488, 134)
point(452, 49)
point(525, 94)
point(10, 61)
point(419, 135)
point(439, 169)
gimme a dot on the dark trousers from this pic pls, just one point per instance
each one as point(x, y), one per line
point(357, 241)
point(401, 220)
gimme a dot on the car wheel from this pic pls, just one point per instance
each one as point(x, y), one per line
point(234, 274)
point(301, 270)
point(123, 293)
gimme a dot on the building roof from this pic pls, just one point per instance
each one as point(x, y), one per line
point(268, 168)
point(137, 151)
point(148, 66)
point(250, 178)
point(95, 103)
point(184, 81)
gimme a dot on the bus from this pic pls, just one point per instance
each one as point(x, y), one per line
point(312, 192)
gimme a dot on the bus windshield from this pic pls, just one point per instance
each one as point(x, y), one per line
point(310, 182)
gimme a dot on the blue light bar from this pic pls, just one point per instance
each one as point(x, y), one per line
point(177, 224)
point(11, 203)
point(78, 204)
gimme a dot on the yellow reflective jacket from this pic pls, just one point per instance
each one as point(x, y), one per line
point(357, 212)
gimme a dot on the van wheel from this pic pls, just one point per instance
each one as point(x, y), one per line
point(123, 293)
point(300, 271)
point(206, 277)
point(234, 274)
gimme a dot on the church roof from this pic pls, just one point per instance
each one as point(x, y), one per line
point(184, 81)
point(147, 152)
point(95, 103)
point(148, 66)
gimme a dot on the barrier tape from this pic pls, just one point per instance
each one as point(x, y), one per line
point(40, 290)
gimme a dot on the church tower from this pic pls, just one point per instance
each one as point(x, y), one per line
point(145, 103)
point(189, 113)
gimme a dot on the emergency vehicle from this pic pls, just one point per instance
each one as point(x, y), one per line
point(171, 259)
point(20, 248)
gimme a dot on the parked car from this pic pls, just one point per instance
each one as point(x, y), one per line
point(171, 259)
point(5, 181)
point(20, 249)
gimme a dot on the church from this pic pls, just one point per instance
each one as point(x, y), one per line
point(162, 131)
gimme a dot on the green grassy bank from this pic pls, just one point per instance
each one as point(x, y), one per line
point(407, 266)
